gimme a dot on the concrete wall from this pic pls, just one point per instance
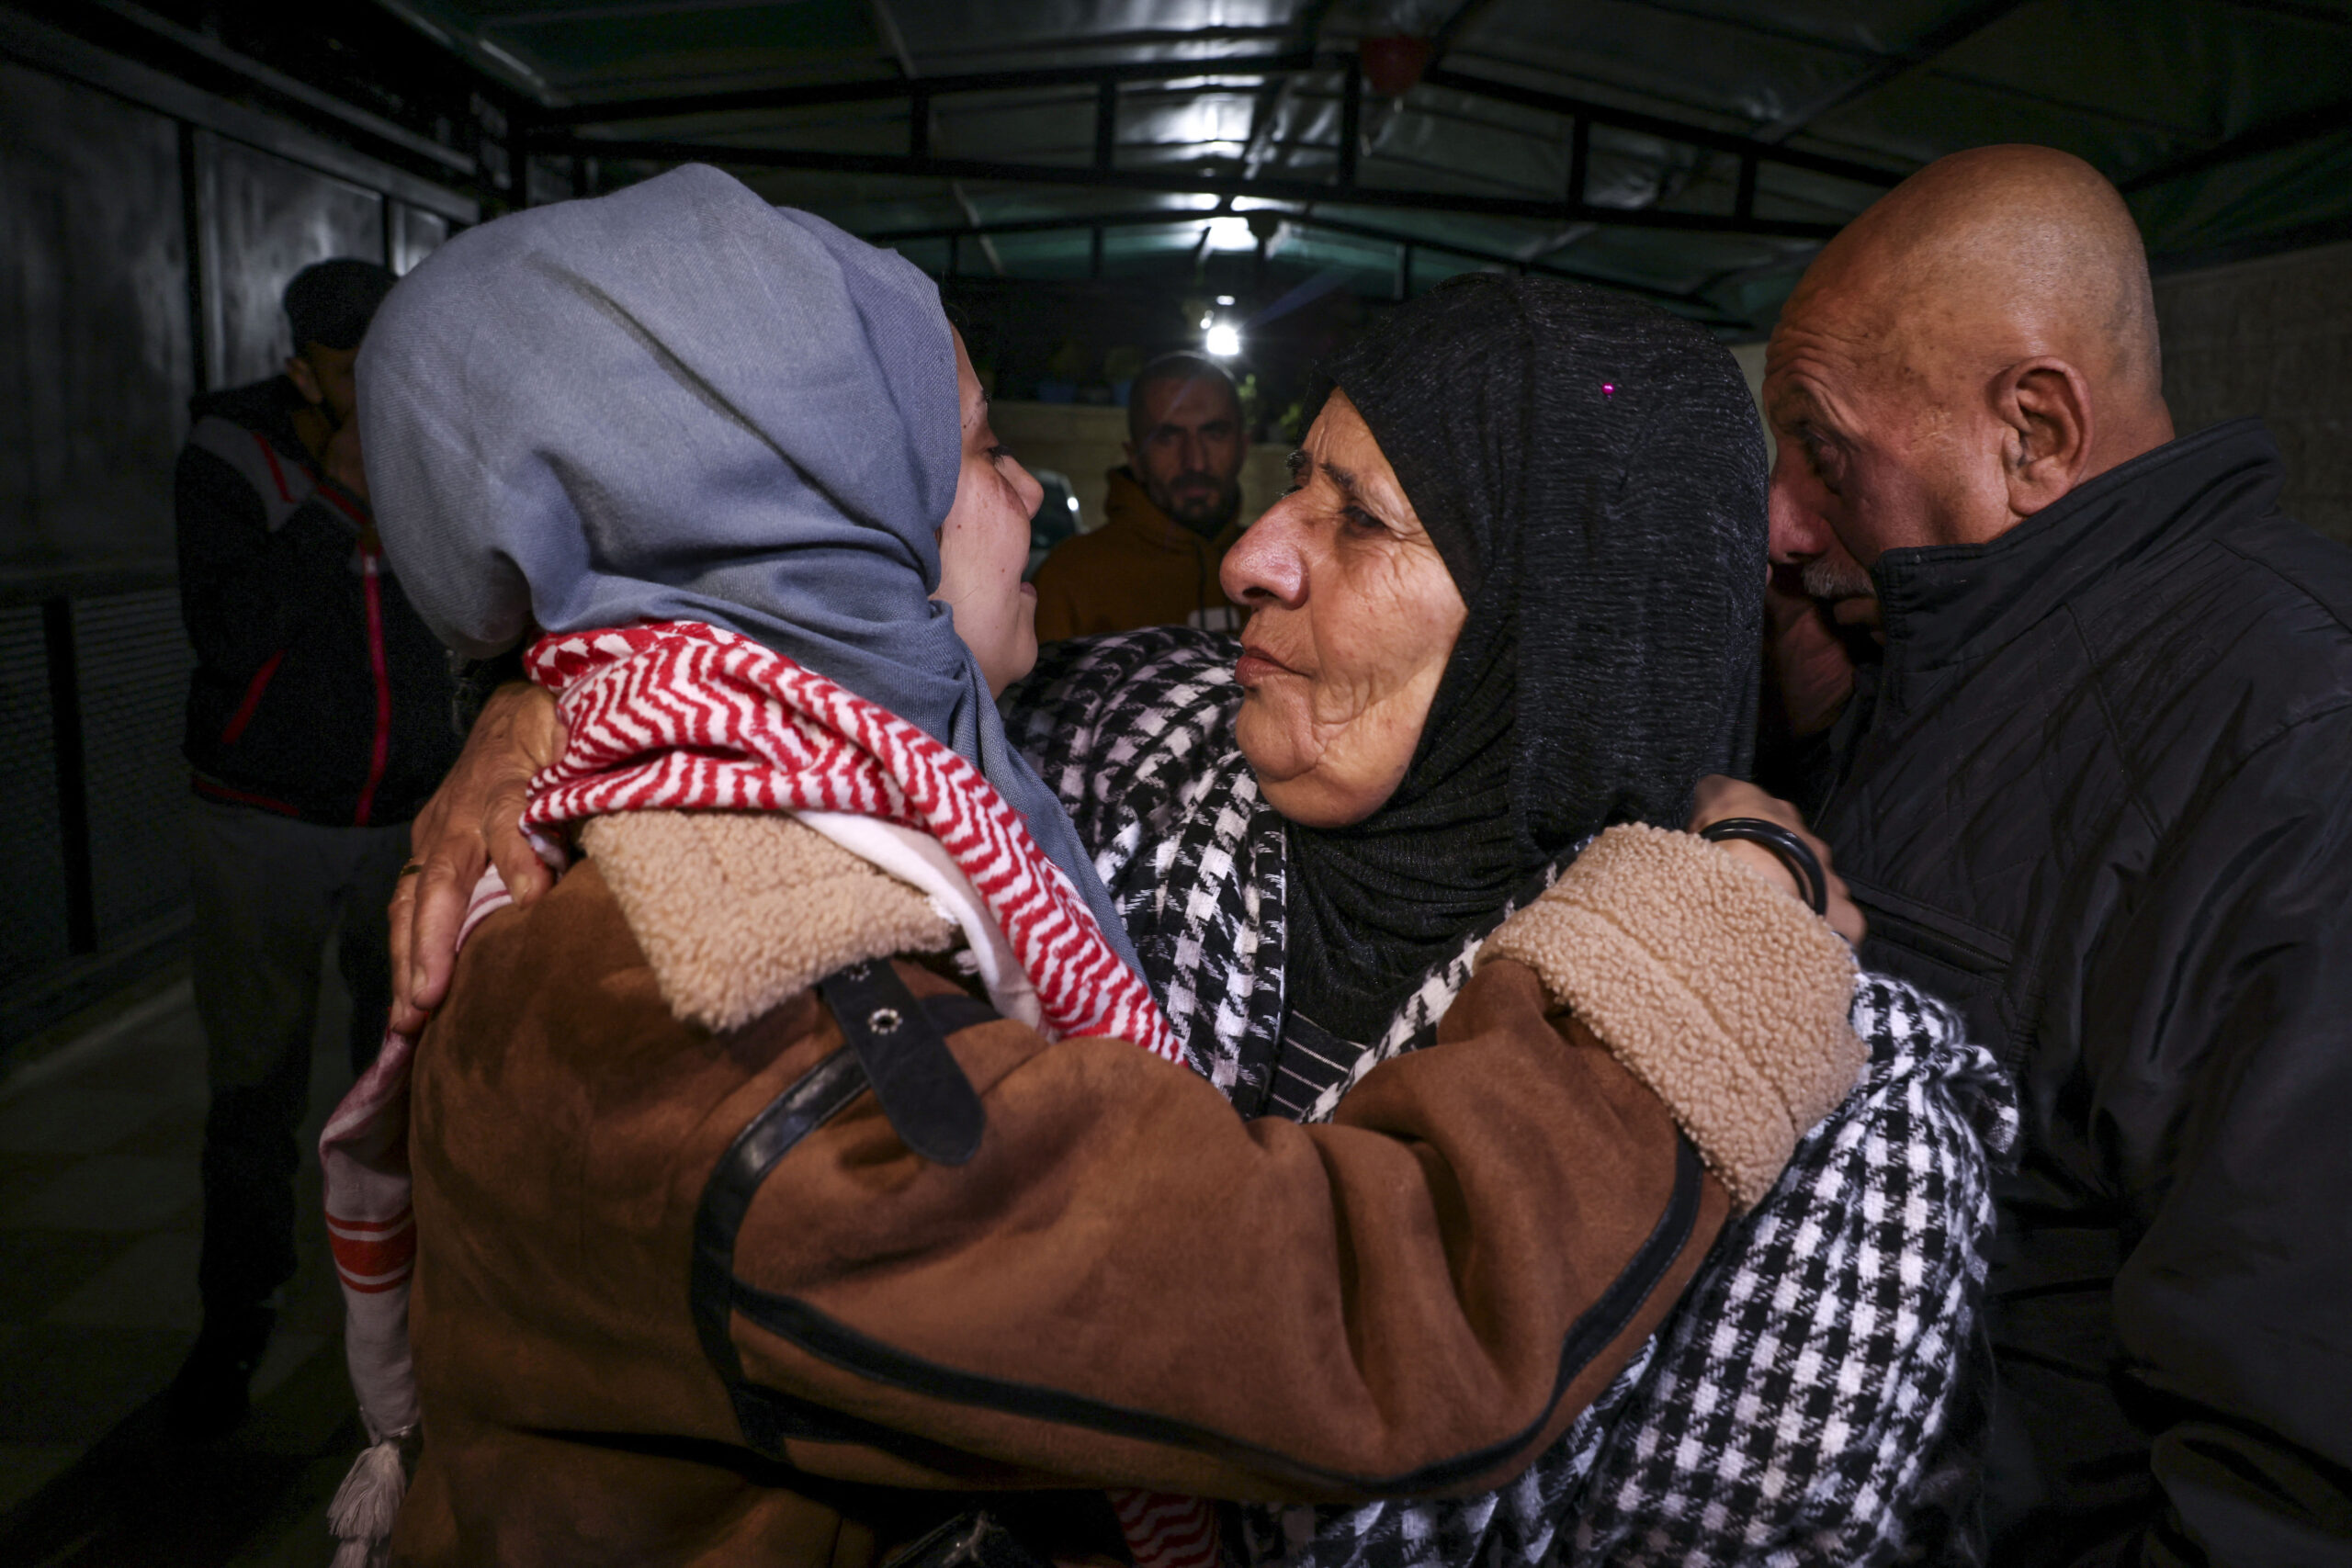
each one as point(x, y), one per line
point(2271, 337)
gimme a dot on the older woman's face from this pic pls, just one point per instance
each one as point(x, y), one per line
point(1352, 616)
point(984, 544)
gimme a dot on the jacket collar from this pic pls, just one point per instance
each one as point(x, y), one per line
point(1942, 603)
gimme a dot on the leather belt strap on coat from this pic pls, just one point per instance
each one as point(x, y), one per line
point(898, 1048)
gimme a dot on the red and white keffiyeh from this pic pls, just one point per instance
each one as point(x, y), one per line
point(680, 716)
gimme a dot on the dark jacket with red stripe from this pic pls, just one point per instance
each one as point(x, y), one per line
point(318, 692)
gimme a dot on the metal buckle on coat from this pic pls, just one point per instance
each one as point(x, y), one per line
point(931, 1104)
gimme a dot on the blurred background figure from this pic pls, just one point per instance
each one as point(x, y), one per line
point(318, 721)
point(1172, 512)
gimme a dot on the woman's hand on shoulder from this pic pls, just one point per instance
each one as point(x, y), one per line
point(474, 820)
point(1720, 798)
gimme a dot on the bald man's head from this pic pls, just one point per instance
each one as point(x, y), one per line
point(1967, 351)
point(2000, 249)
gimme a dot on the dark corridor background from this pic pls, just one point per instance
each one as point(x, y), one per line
point(150, 227)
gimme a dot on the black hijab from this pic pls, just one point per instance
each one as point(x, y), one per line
point(1591, 472)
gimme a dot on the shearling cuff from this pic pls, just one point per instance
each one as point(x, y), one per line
point(1723, 994)
point(739, 910)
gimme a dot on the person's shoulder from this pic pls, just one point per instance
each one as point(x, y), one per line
point(258, 406)
point(680, 924)
point(2279, 635)
point(542, 992)
point(736, 912)
point(2250, 628)
point(1099, 713)
point(245, 435)
point(1077, 562)
point(1149, 667)
point(2294, 567)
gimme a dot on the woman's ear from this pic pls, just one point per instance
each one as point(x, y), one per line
point(2046, 405)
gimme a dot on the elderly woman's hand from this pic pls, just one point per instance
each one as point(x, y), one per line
point(1721, 798)
point(474, 819)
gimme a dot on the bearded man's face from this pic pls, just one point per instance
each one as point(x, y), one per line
point(1188, 450)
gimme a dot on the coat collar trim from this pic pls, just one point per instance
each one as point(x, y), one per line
point(1946, 604)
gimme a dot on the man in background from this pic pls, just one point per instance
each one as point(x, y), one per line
point(2094, 794)
point(318, 721)
point(1171, 514)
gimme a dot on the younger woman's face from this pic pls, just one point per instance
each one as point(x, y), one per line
point(984, 544)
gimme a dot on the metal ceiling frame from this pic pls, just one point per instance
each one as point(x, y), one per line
point(1407, 243)
point(2288, 131)
point(1107, 78)
point(1936, 42)
point(559, 129)
point(1181, 181)
point(558, 132)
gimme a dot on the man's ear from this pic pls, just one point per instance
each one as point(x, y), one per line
point(2046, 405)
point(306, 380)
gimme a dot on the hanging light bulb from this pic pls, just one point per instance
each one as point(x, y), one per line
point(1225, 341)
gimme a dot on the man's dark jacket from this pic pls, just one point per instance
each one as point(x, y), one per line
point(2103, 802)
point(318, 692)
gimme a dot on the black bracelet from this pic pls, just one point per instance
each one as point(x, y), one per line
point(1794, 852)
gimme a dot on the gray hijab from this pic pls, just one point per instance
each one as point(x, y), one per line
point(679, 402)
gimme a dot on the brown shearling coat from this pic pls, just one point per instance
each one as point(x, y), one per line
point(1127, 1286)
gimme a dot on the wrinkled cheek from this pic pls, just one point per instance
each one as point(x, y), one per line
point(1275, 731)
point(1340, 701)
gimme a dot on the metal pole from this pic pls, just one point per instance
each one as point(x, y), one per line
point(200, 264)
point(1351, 120)
point(72, 775)
point(1106, 123)
point(518, 156)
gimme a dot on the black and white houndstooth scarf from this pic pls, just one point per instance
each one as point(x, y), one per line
point(1812, 1399)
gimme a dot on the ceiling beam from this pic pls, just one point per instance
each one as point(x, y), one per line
point(886, 89)
point(2296, 10)
point(1938, 41)
point(1107, 78)
point(1182, 181)
point(1457, 22)
point(1392, 237)
point(921, 122)
point(1738, 146)
point(1755, 28)
point(2311, 125)
point(1177, 220)
point(1306, 33)
point(1134, 37)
